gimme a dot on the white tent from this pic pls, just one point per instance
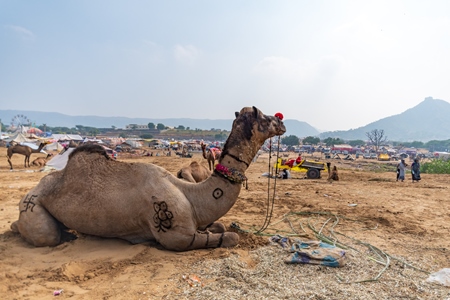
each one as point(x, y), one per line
point(22, 138)
point(66, 137)
point(59, 161)
point(94, 140)
point(134, 143)
point(55, 146)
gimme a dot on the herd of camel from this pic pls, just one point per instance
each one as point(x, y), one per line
point(195, 172)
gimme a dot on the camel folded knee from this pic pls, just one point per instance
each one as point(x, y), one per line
point(201, 240)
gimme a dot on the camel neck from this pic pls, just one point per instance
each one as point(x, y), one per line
point(238, 159)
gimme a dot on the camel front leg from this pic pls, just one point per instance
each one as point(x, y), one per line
point(199, 240)
point(203, 240)
point(10, 163)
point(175, 229)
point(215, 227)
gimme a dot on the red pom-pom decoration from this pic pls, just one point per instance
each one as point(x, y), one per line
point(279, 115)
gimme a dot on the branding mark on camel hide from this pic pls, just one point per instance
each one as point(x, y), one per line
point(163, 217)
point(29, 204)
point(217, 193)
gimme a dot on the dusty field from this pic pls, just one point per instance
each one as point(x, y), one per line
point(409, 222)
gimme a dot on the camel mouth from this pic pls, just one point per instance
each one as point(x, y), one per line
point(280, 128)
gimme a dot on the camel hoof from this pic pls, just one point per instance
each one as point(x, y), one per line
point(216, 228)
point(230, 239)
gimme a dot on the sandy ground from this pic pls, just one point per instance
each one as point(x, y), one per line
point(409, 222)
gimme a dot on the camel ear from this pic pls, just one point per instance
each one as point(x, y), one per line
point(255, 112)
point(236, 114)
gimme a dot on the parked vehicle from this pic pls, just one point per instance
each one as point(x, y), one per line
point(384, 157)
point(112, 153)
point(311, 168)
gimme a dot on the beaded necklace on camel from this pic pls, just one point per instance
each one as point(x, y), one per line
point(230, 173)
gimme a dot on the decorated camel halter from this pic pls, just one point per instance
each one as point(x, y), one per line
point(231, 174)
point(270, 202)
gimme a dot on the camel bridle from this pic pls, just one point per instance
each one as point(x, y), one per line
point(270, 202)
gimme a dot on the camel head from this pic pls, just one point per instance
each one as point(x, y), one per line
point(251, 128)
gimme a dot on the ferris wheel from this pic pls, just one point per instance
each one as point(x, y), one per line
point(18, 122)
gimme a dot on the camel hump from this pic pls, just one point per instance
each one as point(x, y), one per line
point(89, 148)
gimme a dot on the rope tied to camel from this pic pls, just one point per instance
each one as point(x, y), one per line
point(231, 174)
point(270, 202)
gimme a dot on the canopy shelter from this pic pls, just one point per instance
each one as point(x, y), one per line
point(34, 130)
point(134, 143)
point(53, 146)
point(93, 140)
point(20, 138)
point(66, 137)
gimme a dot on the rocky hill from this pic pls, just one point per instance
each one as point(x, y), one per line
point(429, 120)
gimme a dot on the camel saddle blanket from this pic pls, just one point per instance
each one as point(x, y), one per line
point(311, 252)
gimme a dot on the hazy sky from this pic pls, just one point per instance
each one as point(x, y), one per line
point(334, 64)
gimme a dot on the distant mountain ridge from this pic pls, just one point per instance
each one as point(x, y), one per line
point(54, 119)
point(429, 120)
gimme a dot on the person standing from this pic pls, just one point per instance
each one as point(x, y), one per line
point(401, 170)
point(415, 170)
point(298, 160)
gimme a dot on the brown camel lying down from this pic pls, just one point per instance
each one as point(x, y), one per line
point(141, 202)
point(41, 161)
point(195, 172)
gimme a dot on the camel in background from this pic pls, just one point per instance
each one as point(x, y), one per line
point(41, 161)
point(23, 150)
point(195, 172)
point(332, 175)
point(211, 156)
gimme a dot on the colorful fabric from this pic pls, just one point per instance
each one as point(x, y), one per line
point(311, 252)
point(230, 173)
point(216, 152)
